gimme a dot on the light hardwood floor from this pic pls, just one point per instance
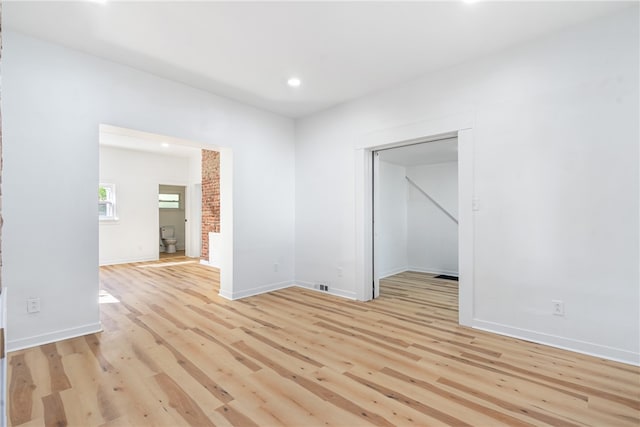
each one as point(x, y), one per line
point(175, 353)
point(165, 255)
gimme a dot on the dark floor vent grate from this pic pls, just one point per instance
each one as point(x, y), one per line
point(444, 276)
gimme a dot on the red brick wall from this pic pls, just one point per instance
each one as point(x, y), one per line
point(210, 197)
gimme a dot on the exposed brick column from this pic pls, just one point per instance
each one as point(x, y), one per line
point(210, 198)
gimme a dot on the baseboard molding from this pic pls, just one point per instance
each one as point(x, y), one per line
point(432, 270)
point(128, 260)
point(332, 291)
point(209, 264)
point(577, 346)
point(50, 337)
point(393, 272)
point(256, 291)
point(282, 285)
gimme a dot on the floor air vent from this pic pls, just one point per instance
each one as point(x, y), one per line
point(444, 276)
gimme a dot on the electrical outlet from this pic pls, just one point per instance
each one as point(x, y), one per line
point(275, 267)
point(339, 271)
point(33, 305)
point(557, 307)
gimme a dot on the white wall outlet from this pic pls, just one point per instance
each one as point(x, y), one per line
point(339, 271)
point(275, 267)
point(475, 205)
point(33, 305)
point(557, 307)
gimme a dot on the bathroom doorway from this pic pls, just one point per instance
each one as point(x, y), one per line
point(172, 220)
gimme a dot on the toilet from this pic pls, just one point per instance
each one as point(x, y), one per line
point(167, 233)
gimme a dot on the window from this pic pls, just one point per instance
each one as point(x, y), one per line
point(107, 202)
point(169, 200)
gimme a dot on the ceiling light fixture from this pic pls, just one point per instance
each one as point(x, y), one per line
point(294, 82)
point(165, 144)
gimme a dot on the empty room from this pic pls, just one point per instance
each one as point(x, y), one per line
point(320, 213)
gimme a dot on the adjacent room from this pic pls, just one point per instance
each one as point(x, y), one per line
point(146, 183)
point(417, 208)
point(415, 214)
point(320, 213)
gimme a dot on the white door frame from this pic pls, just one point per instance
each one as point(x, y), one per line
point(460, 125)
point(375, 219)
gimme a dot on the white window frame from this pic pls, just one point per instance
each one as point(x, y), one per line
point(110, 203)
point(172, 193)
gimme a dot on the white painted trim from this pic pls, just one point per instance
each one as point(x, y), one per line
point(425, 130)
point(109, 221)
point(332, 291)
point(375, 162)
point(430, 270)
point(466, 226)
point(394, 271)
point(206, 263)
point(457, 124)
point(226, 223)
point(363, 211)
point(284, 285)
point(128, 260)
point(50, 337)
point(583, 347)
point(257, 290)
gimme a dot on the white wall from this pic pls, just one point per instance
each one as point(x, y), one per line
point(432, 237)
point(53, 101)
point(392, 226)
point(135, 235)
point(555, 171)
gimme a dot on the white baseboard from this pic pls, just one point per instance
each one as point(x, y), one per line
point(393, 272)
point(128, 260)
point(50, 337)
point(577, 346)
point(257, 290)
point(209, 264)
point(282, 285)
point(332, 291)
point(432, 270)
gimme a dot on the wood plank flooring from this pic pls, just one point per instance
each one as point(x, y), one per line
point(165, 255)
point(175, 353)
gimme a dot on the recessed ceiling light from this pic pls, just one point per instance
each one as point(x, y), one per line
point(294, 82)
point(470, 1)
point(165, 145)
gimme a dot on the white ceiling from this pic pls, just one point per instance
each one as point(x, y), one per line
point(247, 50)
point(129, 139)
point(426, 153)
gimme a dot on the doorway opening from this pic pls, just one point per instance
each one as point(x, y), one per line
point(171, 216)
point(415, 220)
point(153, 182)
point(460, 127)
